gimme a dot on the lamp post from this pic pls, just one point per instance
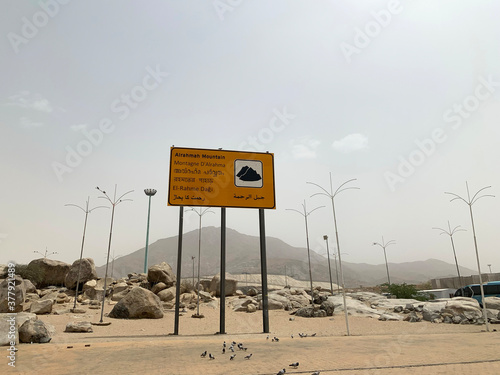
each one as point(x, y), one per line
point(383, 245)
point(325, 237)
point(489, 266)
point(470, 201)
point(306, 214)
point(113, 203)
point(450, 233)
point(149, 193)
point(193, 258)
point(332, 196)
point(45, 254)
point(87, 211)
point(200, 213)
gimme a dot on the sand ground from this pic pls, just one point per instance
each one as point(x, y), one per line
point(373, 347)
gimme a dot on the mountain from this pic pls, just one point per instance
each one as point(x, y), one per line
point(243, 255)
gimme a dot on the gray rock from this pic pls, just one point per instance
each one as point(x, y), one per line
point(78, 327)
point(389, 317)
point(30, 288)
point(492, 302)
point(34, 331)
point(205, 297)
point(161, 273)
point(139, 303)
point(87, 272)
point(167, 294)
point(158, 287)
point(53, 271)
point(310, 312)
point(231, 285)
point(251, 308)
point(328, 306)
point(412, 317)
point(42, 306)
point(20, 295)
point(252, 292)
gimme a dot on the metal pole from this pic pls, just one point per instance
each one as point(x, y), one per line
point(179, 263)
point(81, 252)
point(222, 328)
point(147, 239)
point(456, 262)
point(340, 265)
point(263, 270)
point(386, 264)
point(107, 259)
point(329, 264)
point(308, 254)
point(485, 315)
point(199, 257)
point(337, 273)
point(193, 258)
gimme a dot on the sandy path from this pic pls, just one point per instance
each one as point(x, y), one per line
point(374, 347)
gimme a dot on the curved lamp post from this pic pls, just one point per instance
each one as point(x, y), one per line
point(332, 196)
point(450, 233)
point(45, 255)
point(470, 201)
point(87, 212)
point(306, 214)
point(383, 246)
point(115, 202)
point(325, 237)
point(149, 193)
point(200, 213)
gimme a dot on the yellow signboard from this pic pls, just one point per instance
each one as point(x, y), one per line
point(218, 178)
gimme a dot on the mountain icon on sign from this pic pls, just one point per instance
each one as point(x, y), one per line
point(248, 174)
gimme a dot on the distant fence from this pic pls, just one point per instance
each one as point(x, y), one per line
point(454, 282)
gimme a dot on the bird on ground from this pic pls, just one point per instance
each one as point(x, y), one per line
point(314, 334)
point(248, 356)
point(267, 338)
point(204, 354)
point(223, 350)
point(233, 343)
point(276, 339)
point(211, 356)
point(281, 372)
point(224, 345)
point(315, 373)
point(294, 365)
point(232, 357)
point(231, 348)
point(291, 336)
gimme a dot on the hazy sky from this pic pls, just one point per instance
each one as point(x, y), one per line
point(404, 96)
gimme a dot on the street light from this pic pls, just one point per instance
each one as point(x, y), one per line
point(336, 269)
point(489, 266)
point(45, 255)
point(200, 213)
point(149, 193)
point(325, 237)
point(383, 246)
point(470, 201)
point(451, 233)
point(306, 214)
point(113, 203)
point(332, 196)
point(193, 258)
point(87, 211)
point(113, 257)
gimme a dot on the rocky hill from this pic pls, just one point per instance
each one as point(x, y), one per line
point(243, 256)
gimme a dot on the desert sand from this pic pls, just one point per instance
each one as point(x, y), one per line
point(147, 346)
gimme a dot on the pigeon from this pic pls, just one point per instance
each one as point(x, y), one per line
point(314, 334)
point(294, 365)
point(315, 373)
point(240, 346)
point(245, 349)
point(231, 348)
point(301, 335)
point(233, 343)
point(211, 356)
point(267, 338)
point(224, 345)
point(291, 336)
point(223, 350)
point(276, 339)
point(281, 372)
point(232, 357)
point(248, 356)
point(204, 354)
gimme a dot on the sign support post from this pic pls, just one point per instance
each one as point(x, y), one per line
point(179, 262)
point(222, 329)
point(263, 270)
